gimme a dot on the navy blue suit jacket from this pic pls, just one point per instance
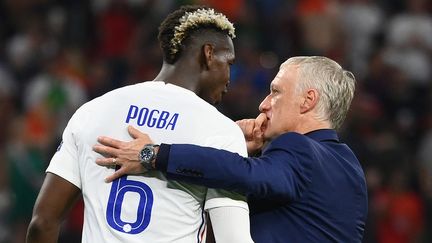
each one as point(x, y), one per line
point(303, 188)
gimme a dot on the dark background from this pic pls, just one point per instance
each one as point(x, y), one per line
point(56, 55)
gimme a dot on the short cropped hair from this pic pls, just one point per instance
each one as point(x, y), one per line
point(181, 24)
point(335, 86)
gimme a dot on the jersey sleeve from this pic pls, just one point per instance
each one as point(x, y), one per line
point(230, 224)
point(65, 162)
point(222, 198)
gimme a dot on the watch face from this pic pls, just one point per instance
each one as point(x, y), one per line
point(146, 154)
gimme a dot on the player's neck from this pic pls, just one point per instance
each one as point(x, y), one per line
point(179, 75)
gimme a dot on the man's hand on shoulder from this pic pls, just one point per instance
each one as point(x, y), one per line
point(122, 154)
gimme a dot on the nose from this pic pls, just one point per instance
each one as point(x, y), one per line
point(265, 104)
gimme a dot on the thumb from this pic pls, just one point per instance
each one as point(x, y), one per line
point(135, 133)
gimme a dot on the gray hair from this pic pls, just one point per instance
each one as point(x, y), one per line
point(335, 86)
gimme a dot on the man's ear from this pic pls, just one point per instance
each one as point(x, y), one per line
point(310, 99)
point(207, 55)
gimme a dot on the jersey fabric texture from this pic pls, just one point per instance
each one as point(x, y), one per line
point(145, 208)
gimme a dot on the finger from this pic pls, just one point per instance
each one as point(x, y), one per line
point(261, 120)
point(117, 174)
point(106, 151)
point(242, 125)
point(111, 142)
point(105, 161)
point(257, 133)
point(247, 126)
point(135, 133)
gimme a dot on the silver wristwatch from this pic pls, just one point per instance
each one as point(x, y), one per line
point(147, 155)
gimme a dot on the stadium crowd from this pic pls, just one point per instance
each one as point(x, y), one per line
point(57, 54)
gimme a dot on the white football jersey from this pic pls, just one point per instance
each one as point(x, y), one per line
point(145, 208)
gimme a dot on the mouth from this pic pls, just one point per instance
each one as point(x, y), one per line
point(222, 92)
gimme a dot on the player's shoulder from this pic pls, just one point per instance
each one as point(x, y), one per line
point(103, 102)
point(115, 95)
point(129, 90)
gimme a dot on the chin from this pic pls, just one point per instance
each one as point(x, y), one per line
point(268, 135)
point(217, 100)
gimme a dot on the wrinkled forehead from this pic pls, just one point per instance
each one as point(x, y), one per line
point(281, 74)
point(285, 78)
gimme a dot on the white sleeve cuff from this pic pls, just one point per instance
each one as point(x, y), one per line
point(225, 202)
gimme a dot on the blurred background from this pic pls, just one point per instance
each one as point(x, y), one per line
point(57, 55)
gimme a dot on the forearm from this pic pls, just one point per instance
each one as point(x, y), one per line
point(261, 177)
point(203, 166)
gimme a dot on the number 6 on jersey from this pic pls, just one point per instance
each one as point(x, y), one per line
point(119, 189)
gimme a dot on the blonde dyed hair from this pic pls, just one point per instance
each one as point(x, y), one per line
point(335, 86)
point(201, 17)
point(184, 22)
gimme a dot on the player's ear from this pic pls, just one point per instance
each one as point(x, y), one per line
point(310, 99)
point(207, 55)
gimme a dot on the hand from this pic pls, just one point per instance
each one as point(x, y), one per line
point(122, 154)
point(253, 130)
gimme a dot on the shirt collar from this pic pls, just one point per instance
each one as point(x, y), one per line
point(323, 135)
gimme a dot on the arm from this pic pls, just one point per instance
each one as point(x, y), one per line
point(279, 172)
point(125, 154)
point(56, 198)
